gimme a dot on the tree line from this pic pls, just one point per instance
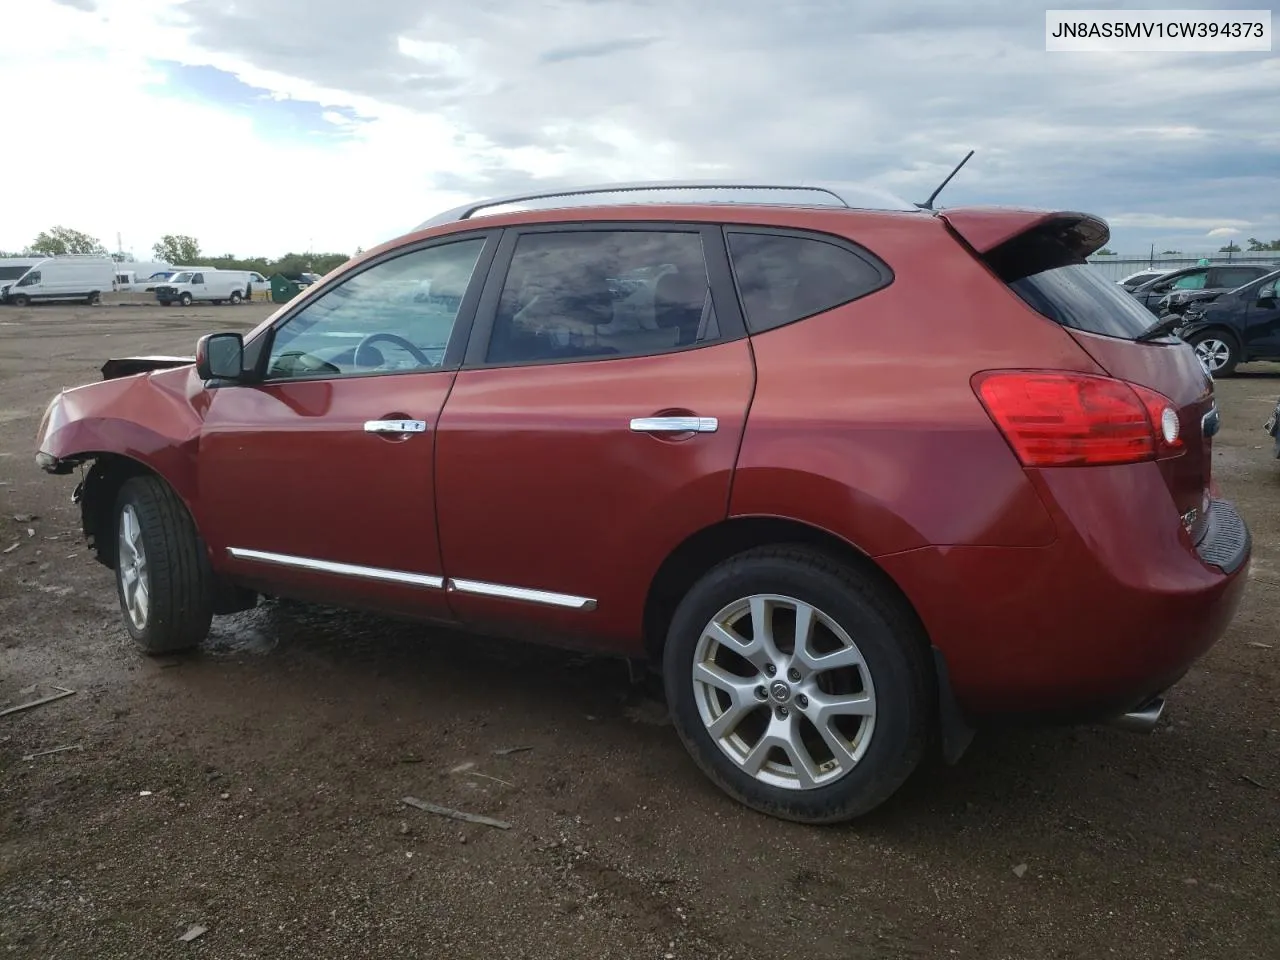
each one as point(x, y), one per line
point(180, 250)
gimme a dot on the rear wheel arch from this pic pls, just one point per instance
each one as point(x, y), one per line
point(710, 546)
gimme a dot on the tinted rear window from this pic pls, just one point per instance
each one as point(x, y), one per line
point(783, 277)
point(1054, 280)
point(1078, 296)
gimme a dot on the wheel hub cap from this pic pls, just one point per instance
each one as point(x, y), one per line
point(800, 733)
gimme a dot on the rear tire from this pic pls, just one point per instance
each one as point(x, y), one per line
point(165, 303)
point(235, 297)
point(1217, 351)
point(94, 298)
point(163, 580)
point(835, 738)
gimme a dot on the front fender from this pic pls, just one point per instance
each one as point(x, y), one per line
point(152, 418)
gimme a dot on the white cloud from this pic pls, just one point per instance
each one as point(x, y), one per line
point(456, 100)
point(1224, 232)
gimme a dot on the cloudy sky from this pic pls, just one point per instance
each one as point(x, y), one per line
point(261, 126)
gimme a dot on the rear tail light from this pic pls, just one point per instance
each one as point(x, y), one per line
point(1063, 419)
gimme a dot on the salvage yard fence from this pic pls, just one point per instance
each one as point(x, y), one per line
point(1118, 267)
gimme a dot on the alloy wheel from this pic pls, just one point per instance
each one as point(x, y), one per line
point(131, 566)
point(784, 692)
point(1213, 353)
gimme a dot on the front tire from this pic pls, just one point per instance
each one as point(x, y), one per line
point(798, 685)
point(1217, 352)
point(163, 580)
point(21, 300)
point(185, 299)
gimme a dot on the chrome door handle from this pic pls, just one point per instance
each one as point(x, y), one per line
point(675, 425)
point(395, 426)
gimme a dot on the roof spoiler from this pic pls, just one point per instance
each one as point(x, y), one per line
point(990, 230)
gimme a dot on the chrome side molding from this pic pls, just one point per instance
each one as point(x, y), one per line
point(545, 597)
point(477, 587)
point(341, 569)
point(675, 425)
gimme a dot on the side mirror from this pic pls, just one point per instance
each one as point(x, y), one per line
point(1266, 293)
point(220, 356)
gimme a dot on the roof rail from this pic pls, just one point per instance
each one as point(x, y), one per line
point(867, 198)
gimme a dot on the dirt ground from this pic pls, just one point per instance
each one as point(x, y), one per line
point(254, 788)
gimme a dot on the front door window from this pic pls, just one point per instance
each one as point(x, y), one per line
point(394, 317)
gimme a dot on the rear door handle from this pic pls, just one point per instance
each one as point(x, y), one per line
point(675, 425)
point(395, 426)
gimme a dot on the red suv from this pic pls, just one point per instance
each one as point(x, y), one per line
point(855, 479)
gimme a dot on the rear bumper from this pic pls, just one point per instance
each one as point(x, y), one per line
point(1095, 625)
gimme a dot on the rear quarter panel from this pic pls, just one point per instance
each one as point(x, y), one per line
point(864, 422)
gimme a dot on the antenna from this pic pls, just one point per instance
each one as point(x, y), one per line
point(928, 204)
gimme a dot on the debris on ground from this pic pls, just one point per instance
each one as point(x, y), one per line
point(63, 692)
point(193, 931)
point(507, 751)
point(24, 517)
point(1020, 870)
point(45, 753)
point(463, 767)
point(1260, 645)
point(13, 546)
point(1249, 779)
point(455, 814)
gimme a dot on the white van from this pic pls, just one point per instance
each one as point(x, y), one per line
point(202, 283)
point(70, 277)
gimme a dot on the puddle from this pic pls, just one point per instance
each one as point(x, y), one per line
point(252, 632)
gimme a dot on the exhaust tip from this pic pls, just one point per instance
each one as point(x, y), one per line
point(1143, 719)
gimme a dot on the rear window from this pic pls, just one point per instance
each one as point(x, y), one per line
point(784, 277)
point(1058, 283)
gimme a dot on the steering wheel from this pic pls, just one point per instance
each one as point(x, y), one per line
point(399, 341)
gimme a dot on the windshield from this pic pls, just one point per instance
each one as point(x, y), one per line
point(1078, 296)
point(181, 277)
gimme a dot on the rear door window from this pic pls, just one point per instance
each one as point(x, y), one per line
point(600, 294)
point(1232, 277)
point(784, 277)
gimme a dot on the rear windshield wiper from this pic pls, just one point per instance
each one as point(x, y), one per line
point(1162, 326)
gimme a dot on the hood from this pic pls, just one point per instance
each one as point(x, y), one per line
point(128, 366)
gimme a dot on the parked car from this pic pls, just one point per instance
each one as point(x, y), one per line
point(66, 277)
point(1137, 279)
point(845, 526)
point(1201, 279)
point(1272, 426)
point(203, 283)
point(1239, 326)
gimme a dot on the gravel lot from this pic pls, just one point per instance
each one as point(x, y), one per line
point(254, 789)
